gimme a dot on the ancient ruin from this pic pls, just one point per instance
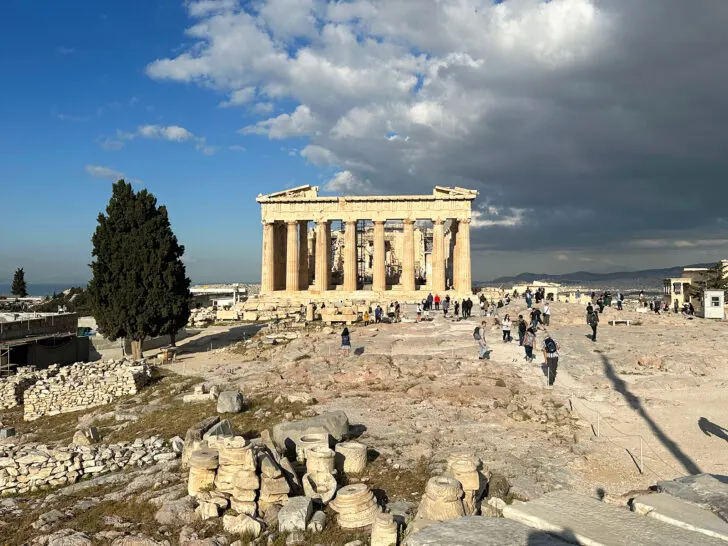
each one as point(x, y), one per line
point(381, 243)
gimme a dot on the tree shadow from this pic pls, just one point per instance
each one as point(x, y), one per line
point(216, 340)
point(712, 429)
point(636, 404)
point(542, 538)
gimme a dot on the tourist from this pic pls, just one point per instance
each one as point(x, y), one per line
point(366, 317)
point(529, 299)
point(529, 340)
point(506, 327)
point(658, 306)
point(427, 310)
point(397, 311)
point(437, 302)
point(592, 319)
point(463, 308)
point(508, 299)
point(445, 306)
point(522, 327)
point(550, 357)
point(377, 314)
point(457, 308)
point(534, 319)
point(482, 307)
point(620, 299)
point(479, 336)
point(419, 312)
point(691, 309)
point(676, 305)
point(430, 301)
point(546, 314)
point(600, 303)
point(470, 307)
point(578, 295)
point(345, 341)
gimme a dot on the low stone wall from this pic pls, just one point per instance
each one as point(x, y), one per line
point(85, 385)
point(30, 467)
point(12, 389)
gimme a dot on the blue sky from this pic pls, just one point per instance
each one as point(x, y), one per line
point(77, 77)
point(580, 123)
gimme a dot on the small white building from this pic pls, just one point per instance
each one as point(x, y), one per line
point(713, 305)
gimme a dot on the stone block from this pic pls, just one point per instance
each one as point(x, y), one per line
point(584, 520)
point(7, 432)
point(294, 516)
point(230, 402)
point(286, 434)
point(221, 429)
point(480, 531)
point(706, 490)
point(242, 525)
point(683, 514)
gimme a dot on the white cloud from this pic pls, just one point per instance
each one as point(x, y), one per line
point(238, 148)
point(347, 182)
point(301, 122)
point(494, 216)
point(239, 96)
point(98, 171)
point(171, 132)
point(201, 8)
point(263, 108)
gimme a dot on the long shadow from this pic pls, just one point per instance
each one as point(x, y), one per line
point(219, 339)
point(712, 429)
point(635, 403)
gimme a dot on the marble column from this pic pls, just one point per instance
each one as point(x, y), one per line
point(408, 256)
point(280, 255)
point(463, 270)
point(303, 255)
point(293, 273)
point(322, 255)
point(267, 274)
point(350, 283)
point(438, 256)
point(380, 280)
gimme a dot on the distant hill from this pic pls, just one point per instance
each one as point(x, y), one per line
point(644, 277)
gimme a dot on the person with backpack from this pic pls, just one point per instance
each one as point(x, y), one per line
point(479, 336)
point(529, 341)
point(551, 357)
point(345, 341)
point(592, 319)
point(522, 327)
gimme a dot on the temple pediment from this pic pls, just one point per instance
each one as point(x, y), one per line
point(306, 191)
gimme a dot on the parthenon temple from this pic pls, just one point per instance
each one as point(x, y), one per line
point(366, 243)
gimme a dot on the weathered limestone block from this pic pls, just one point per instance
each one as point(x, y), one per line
point(242, 525)
point(86, 436)
point(356, 506)
point(351, 457)
point(384, 531)
point(294, 516)
point(273, 487)
point(230, 402)
point(336, 424)
point(223, 429)
point(442, 500)
point(308, 441)
point(207, 510)
point(320, 486)
point(249, 508)
point(320, 459)
point(246, 479)
point(317, 522)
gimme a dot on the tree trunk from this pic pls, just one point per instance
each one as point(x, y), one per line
point(136, 349)
point(173, 339)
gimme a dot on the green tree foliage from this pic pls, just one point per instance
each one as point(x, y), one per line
point(19, 288)
point(716, 278)
point(139, 286)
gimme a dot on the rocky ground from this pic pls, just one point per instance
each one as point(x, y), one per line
point(643, 397)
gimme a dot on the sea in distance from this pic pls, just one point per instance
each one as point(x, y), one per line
point(41, 289)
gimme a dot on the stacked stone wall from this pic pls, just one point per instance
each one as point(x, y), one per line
point(12, 389)
point(85, 385)
point(30, 467)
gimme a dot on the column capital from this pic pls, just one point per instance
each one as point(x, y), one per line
point(268, 222)
point(408, 221)
point(379, 222)
point(464, 220)
point(292, 222)
point(438, 220)
point(350, 222)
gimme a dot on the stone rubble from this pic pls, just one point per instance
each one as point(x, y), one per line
point(85, 385)
point(33, 466)
point(12, 389)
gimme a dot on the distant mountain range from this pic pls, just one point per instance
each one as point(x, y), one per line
point(643, 277)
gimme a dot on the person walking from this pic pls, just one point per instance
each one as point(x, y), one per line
point(430, 301)
point(457, 308)
point(479, 336)
point(620, 299)
point(445, 307)
point(506, 327)
point(437, 302)
point(397, 311)
point(522, 327)
point(482, 307)
point(592, 319)
point(366, 317)
point(546, 314)
point(676, 305)
point(419, 312)
point(550, 357)
point(529, 341)
point(345, 341)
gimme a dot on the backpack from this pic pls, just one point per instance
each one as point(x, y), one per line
point(593, 319)
point(550, 345)
point(476, 334)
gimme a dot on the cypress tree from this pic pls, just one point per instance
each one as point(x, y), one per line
point(19, 289)
point(139, 286)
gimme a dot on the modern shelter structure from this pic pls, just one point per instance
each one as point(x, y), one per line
point(287, 258)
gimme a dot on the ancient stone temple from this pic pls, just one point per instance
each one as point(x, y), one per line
point(366, 243)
